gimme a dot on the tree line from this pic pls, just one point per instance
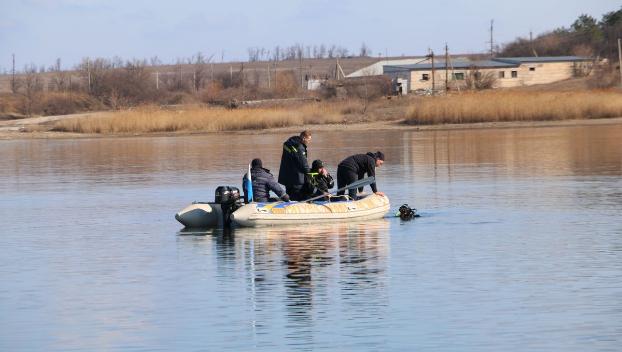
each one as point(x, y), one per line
point(299, 51)
point(101, 83)
point(586, 36)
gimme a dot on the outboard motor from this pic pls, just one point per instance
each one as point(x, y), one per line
point(229, 199)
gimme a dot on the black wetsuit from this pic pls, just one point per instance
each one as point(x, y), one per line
point(318, 184)
point(294, 167)
point(354, 168)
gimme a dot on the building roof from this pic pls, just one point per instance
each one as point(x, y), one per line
point(525, 59)
point(376, 67)
point(501, 62)
point(452, 65)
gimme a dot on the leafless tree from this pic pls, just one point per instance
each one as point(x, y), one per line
point(31, 88)
point(60, 78)
point(199, 70)
point(253, 54)
point(322, 51)
point(364, 51)
point(341, 52)
point(155, 61)
point(332, 51)
point(276, 54)
point(476, 79)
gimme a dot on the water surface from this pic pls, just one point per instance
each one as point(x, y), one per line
point(519, 247)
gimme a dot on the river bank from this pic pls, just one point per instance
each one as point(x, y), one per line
point(361, 126)
point(469, 110)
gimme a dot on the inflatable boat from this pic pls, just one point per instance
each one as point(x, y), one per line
point(281, 213)
point(228, 207)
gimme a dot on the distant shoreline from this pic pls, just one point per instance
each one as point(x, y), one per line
point(358, 126)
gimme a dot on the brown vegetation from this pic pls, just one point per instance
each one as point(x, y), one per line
point(495, 106)
point(585, 37)
point(207, 119)
point(470, 107)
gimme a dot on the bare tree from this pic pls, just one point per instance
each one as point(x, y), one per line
point(155, 61)
point(364, 51)
point(60, 78)
point(276, 55)
point(478, 80)
point(253, 54)
point(341, 52)
point(32, 87)
point(199, 70)
point(332, 51)
point(322, 51)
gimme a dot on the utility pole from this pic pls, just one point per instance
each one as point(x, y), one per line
point(157, 80)
point(302, 82)
point(269, 75)
point(276, 74)
point(492, 45)
point(13, 86)
point(337, 69)
point(446, 68)
point(533, 51)
point(620, 58)
point(88, 69)
point(433, 72)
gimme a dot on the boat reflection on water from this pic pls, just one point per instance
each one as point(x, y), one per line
point(306, 268)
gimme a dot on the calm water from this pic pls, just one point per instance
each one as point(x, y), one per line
point(519, 247)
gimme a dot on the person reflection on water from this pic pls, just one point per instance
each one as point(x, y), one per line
point(263, 183)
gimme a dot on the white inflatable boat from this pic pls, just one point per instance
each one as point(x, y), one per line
point(280, 213)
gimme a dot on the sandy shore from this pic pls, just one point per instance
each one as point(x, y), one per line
point(10, 130)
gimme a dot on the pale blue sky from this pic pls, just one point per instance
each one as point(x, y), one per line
point(39, 31)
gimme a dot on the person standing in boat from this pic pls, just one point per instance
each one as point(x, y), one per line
point(294, 165)
point(263, 183)
point(354, 168)
point(319, 180)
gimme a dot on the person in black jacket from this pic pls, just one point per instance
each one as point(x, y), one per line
point(263, 183)
point(294, 165)
point(319, 180)
point(354, 168)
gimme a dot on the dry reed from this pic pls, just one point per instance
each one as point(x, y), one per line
point(491, 106)
point(515, 106)
point(202, 119)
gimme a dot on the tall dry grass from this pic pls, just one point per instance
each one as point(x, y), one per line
point(495, 106)
point(515, 106)
point(204, 119)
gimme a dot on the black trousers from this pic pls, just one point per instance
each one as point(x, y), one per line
point(295, 192)
point(345, 177)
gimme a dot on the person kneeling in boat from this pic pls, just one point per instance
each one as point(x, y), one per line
point(263, 183)
point(354, 168)
point(319, 181)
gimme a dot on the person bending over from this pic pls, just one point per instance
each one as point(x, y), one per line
point(354, 168)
